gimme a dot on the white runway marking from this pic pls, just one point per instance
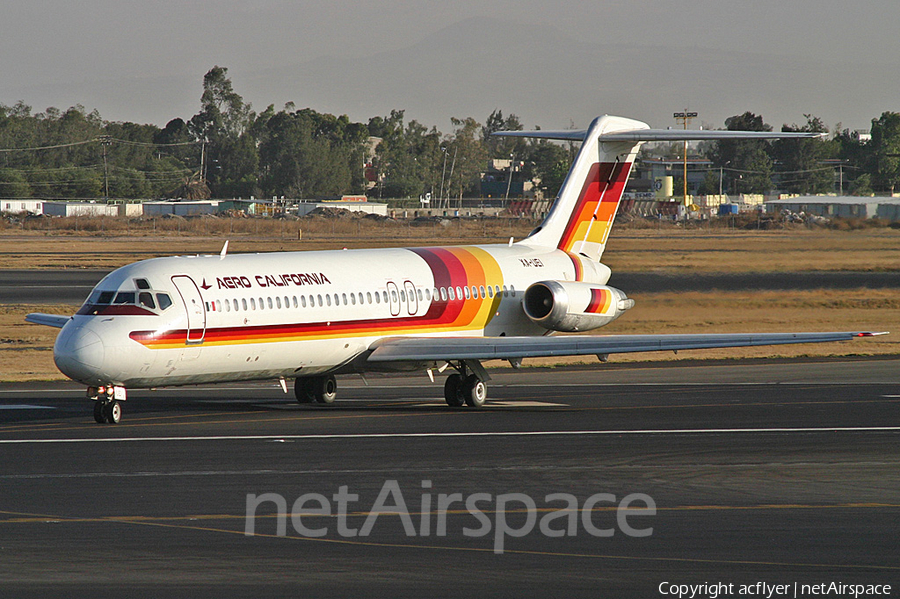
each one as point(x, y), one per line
point(323, 437)
point(25, 407)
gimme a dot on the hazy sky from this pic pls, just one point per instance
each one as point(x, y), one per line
point(552, 63)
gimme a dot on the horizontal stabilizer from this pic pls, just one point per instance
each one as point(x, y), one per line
point(646, 135)
point(426, 349)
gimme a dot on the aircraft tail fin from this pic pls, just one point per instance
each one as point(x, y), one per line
point(582, 216)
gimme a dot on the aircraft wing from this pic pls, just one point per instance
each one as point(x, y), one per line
point(50, 320)
point(423, 349)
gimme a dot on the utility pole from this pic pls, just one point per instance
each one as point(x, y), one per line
point(684, 118)
point(105, 142)
point(512, 159)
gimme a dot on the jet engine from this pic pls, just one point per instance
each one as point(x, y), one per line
point(570, 306)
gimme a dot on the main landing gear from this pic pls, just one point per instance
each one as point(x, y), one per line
point(107, 403)
point(319, 389)
point(465, 387)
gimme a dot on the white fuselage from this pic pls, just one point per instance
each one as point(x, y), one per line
point(263, 316)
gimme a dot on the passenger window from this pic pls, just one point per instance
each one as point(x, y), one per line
point(368, 297)
point(443, 294)
point(244, 304)
point(228, 305)
point(490, 291)
point(163, 300)
point(459, 293)
point(466, 292)
point(353, 299)
point(328, 299)
point(403, 296)
point(505, 291)
point(296, 305)
point(344, 296)
point(320, 301)
point(512, 290)
point(146, 300)
point(385, 296)
point(253, 303)
point(450, 294)
point(394, 295)
point(270, 303)
point(277, 302)
point(419, 294)
point(303, 300)
point(125, 297)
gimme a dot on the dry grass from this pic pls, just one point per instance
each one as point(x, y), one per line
point(630, 249)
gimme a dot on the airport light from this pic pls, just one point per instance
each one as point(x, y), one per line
point(683, 119)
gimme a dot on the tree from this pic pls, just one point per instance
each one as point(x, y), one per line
point(800, 160)
point(503, 147)
point(406, 157)
point(223, 123)
point(885, 151)
point(469, 157)
point(747, 160)
point(549, 164)
point(305, 154)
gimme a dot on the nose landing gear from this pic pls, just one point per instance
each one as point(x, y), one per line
point(107, 403)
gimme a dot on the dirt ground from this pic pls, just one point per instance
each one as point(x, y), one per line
point(26, 349)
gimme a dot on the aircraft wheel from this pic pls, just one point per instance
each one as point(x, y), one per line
point(453, 391)
point(325, 389)
point(475, 391)
point(112, 412)
point(303, 390)
point(98, 412)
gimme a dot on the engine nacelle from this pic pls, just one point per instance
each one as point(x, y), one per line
point(572, 306)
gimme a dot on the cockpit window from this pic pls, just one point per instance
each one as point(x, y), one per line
point(125, 297)
point(142, 283)
point(146, 299)
point(164, 300)
point(106, 297)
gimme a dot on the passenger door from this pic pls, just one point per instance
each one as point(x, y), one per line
point(194, 308)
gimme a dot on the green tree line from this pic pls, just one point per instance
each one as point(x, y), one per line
point(806, 166)
point(229, 150)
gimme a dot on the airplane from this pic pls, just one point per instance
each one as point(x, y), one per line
point(309, 316)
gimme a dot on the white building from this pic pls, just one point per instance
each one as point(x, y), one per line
point(22, 206)
point(843, 206)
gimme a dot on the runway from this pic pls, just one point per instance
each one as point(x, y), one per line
point(735, 473)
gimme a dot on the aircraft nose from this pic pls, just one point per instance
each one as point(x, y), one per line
point(79, 353)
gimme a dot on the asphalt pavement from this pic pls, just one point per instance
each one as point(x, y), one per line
point(609, 481)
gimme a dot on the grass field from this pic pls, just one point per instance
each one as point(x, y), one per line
point(27, 349)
